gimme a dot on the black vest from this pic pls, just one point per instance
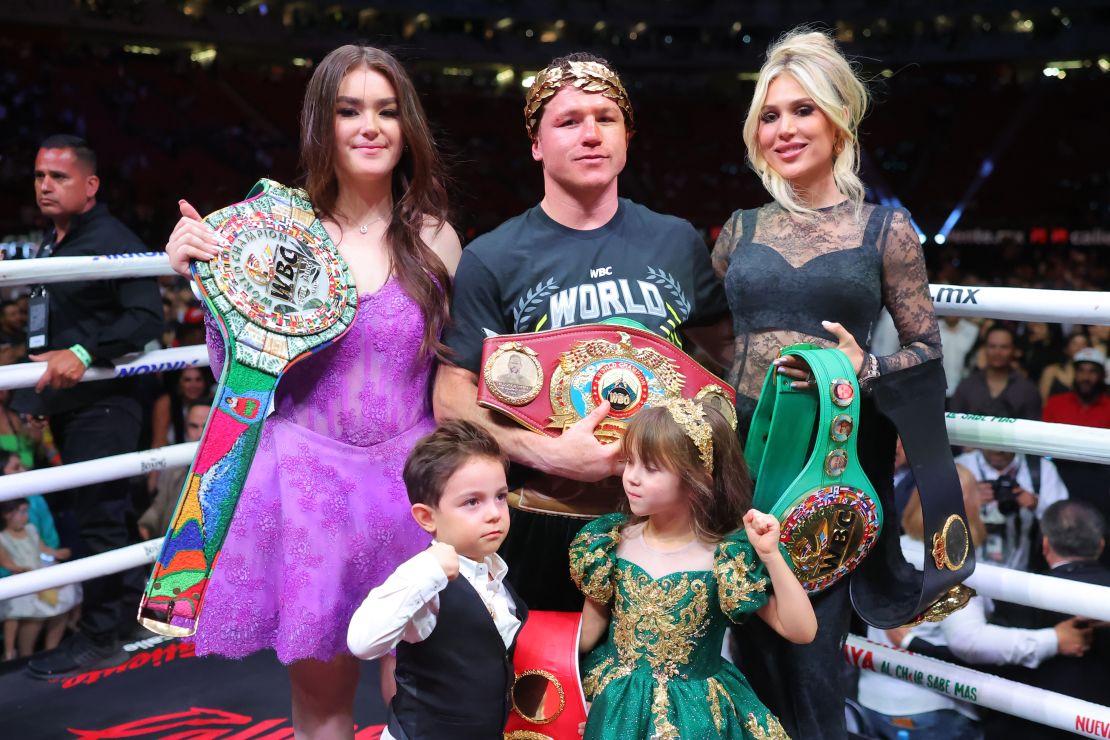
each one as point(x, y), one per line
point(455, 684)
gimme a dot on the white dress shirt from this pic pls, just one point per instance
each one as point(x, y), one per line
point(955, 343)
point(406, 606)
point(1012, 548)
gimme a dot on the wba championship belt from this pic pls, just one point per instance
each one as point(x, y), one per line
point(802, 455)
point(548, 380)
point(548, 702)
point(279, 293)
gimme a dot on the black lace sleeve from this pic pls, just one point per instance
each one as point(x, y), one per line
point(906, 296)
point(726, 242)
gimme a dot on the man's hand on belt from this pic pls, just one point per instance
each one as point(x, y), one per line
point(577, 455)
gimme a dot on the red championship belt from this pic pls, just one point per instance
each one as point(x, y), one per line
point(548, 380)
point(547, 696)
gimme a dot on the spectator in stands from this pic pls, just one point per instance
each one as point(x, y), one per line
point(1059, 376)
point(11, 327)
point(156, 520)
point(23, 550)
point(1040, 345)
point(15, 436)
point(1087, 404)
point(182, 389)
point(958, 337)
point(999, 389)
point(84, 323)
point(892, 705)
point(1014, 490)
point(1098, 337)
point(1074, 538)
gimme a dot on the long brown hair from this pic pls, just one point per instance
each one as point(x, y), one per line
point(419, 189)
point(719, 501)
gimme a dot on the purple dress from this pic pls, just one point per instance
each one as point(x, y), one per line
point(324, 516)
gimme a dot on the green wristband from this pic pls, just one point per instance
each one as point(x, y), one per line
point(82, 354)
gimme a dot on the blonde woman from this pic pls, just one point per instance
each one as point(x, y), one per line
point(816, 265)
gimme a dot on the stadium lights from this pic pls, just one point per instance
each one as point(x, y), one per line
point(940, 238)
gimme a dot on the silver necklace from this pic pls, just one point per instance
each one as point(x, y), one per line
point(366, 226)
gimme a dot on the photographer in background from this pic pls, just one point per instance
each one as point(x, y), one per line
point(1014, 490)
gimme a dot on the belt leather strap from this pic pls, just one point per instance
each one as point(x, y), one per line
point(886, 590)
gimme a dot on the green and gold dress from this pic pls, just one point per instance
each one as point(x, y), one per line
point(660, 673)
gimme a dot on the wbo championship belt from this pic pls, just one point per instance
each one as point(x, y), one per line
point(548, 702)
point(802, 454)
point(548, 380)
point(278, 294)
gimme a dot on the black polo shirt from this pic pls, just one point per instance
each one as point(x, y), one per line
point(109, 318)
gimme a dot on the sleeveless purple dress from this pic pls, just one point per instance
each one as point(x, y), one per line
point(324, 516)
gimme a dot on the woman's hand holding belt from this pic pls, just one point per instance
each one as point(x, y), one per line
point(795, 367)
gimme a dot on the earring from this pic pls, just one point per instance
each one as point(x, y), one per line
point(838, 148)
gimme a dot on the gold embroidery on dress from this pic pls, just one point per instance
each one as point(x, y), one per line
point(734, 584)
point(774, 730)
point(648, 624)
point(602, 674)
point(715, 692)
point(660, 703)
point(585, 553)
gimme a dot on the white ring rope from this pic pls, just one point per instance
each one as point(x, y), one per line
point(100, 267)
point(1038, 705)
point(27, 374)
point(1066, 441)
point(82, 569)
point(1031, 589)
point(114, 467)
point(1021, 304)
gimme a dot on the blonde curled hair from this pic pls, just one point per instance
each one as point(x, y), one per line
point(813, 59)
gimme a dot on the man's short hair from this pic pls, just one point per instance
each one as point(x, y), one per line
point(206, 400)
point(80, 147)
point(1003, 328)
point(1074, 529)
point(439, 455)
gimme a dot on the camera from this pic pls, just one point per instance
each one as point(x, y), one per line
point(1005, 494)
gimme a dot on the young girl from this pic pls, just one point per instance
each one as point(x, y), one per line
point(664, 580)
point(21, 551)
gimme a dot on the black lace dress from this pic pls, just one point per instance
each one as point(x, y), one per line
point(784, 275)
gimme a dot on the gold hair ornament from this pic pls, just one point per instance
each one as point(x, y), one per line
point(690, 415)
point(591, 77)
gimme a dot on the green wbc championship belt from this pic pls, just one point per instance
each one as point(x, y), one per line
point(279, 293)
point(802, 454)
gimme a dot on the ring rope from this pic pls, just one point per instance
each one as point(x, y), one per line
point(1021, 304)
point(27, 374)
point(82, 569)
point(1064, 712)
point(1049, 439)
point(1063, 441)
point(1031, 589)
point(100, 267)
point(101, 470)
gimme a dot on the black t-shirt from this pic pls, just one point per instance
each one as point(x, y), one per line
point(641, 269)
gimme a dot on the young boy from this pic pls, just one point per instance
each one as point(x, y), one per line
point(449, 611)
